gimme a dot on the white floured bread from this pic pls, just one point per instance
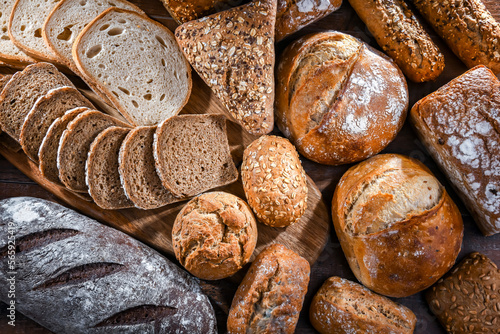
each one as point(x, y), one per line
point(119, 42)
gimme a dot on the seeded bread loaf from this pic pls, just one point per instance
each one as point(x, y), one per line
point(233, 52)
point(344, 307)
point(44, 112)
point(214, 235)
point(108, 47)
point(270, 297)
point(274, 181)
point(399, 229)
point(192, 154)
point(21, 92)
point(467, 300)
point(75, 275)
point(74, 146)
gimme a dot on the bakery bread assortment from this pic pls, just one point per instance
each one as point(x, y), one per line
point(338, 100)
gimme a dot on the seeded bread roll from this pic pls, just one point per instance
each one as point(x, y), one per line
point(214, 235)
point(274, 181)
point(399, 229)
point(270, 297)
point(344, 307)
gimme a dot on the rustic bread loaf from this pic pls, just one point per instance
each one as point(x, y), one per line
point(399, 229)
point(344, 307)
point(44, 112)
point(467, 300)
point(23, 90)
point(101, 170)
point(338, 100)
point(459, 125)
point(74, 146)
point(270, 297)
point(214, 235)
point(274, 181)
point(233, 52)
point(138, 176)
point(79, 276)
point(192, 154)
point(108, 47)
point(401, 35)
point(467, 27)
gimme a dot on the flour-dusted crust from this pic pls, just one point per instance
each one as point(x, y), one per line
point(75, 275)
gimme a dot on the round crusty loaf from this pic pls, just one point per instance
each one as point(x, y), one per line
point(397, 226)
point(214, 235)
point(274, 181)
point(338, 100)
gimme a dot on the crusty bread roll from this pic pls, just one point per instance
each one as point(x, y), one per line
point(397, 226)
point(338, 100)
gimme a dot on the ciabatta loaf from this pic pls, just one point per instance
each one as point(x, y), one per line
point(111, 52)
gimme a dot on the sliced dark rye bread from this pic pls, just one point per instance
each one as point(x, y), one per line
point(5, 139)
point(48, 149)
point(137, 171)
point(75, 144)
point(102, 176)
point(45, 111)
point(22, 91)
point(192, 154)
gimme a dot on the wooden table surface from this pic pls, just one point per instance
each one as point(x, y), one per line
point(332, 261)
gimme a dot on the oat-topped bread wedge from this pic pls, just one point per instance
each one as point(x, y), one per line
point(136, 63)
point(74, 146)
point(233, 51)
point(67, 20)
point(45, 111)
point(192, 154)
point(23, 90)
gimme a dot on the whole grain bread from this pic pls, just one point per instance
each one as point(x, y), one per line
point(23, 90)
point(138, 173)
point(45, 111)
point(101, 170)
point(192, 154)
point(233, 52)
point(74, 146)
point(108, 47)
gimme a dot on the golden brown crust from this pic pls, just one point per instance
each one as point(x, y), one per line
point(274, 181)
point(412, 252)
point(270, 297)
point(214, 235)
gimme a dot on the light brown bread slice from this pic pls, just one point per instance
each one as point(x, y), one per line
point(117, 43)
point(47, 155)
point(233, 51)
point(102, 176)
point(21, 92)
point(45, 111)
point(74, 146)
point(137, 170)
point(192, 154)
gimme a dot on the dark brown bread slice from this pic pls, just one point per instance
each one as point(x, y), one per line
point(4, 79)
point(192, 154)
point(75, 144)
point(102, 176)
point(137, 170)
point(5, 139)
point(45, 111)
point(50, 143)
point(22, 91)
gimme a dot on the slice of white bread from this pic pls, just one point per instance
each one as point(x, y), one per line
point(192, 154)
point(10, 53)
point(137, 170)
point(22, 91)
point(25, 28)
point(74, 146)
point(45, 111)
point(67, 20)
point(111, 52)
point(102, 176)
